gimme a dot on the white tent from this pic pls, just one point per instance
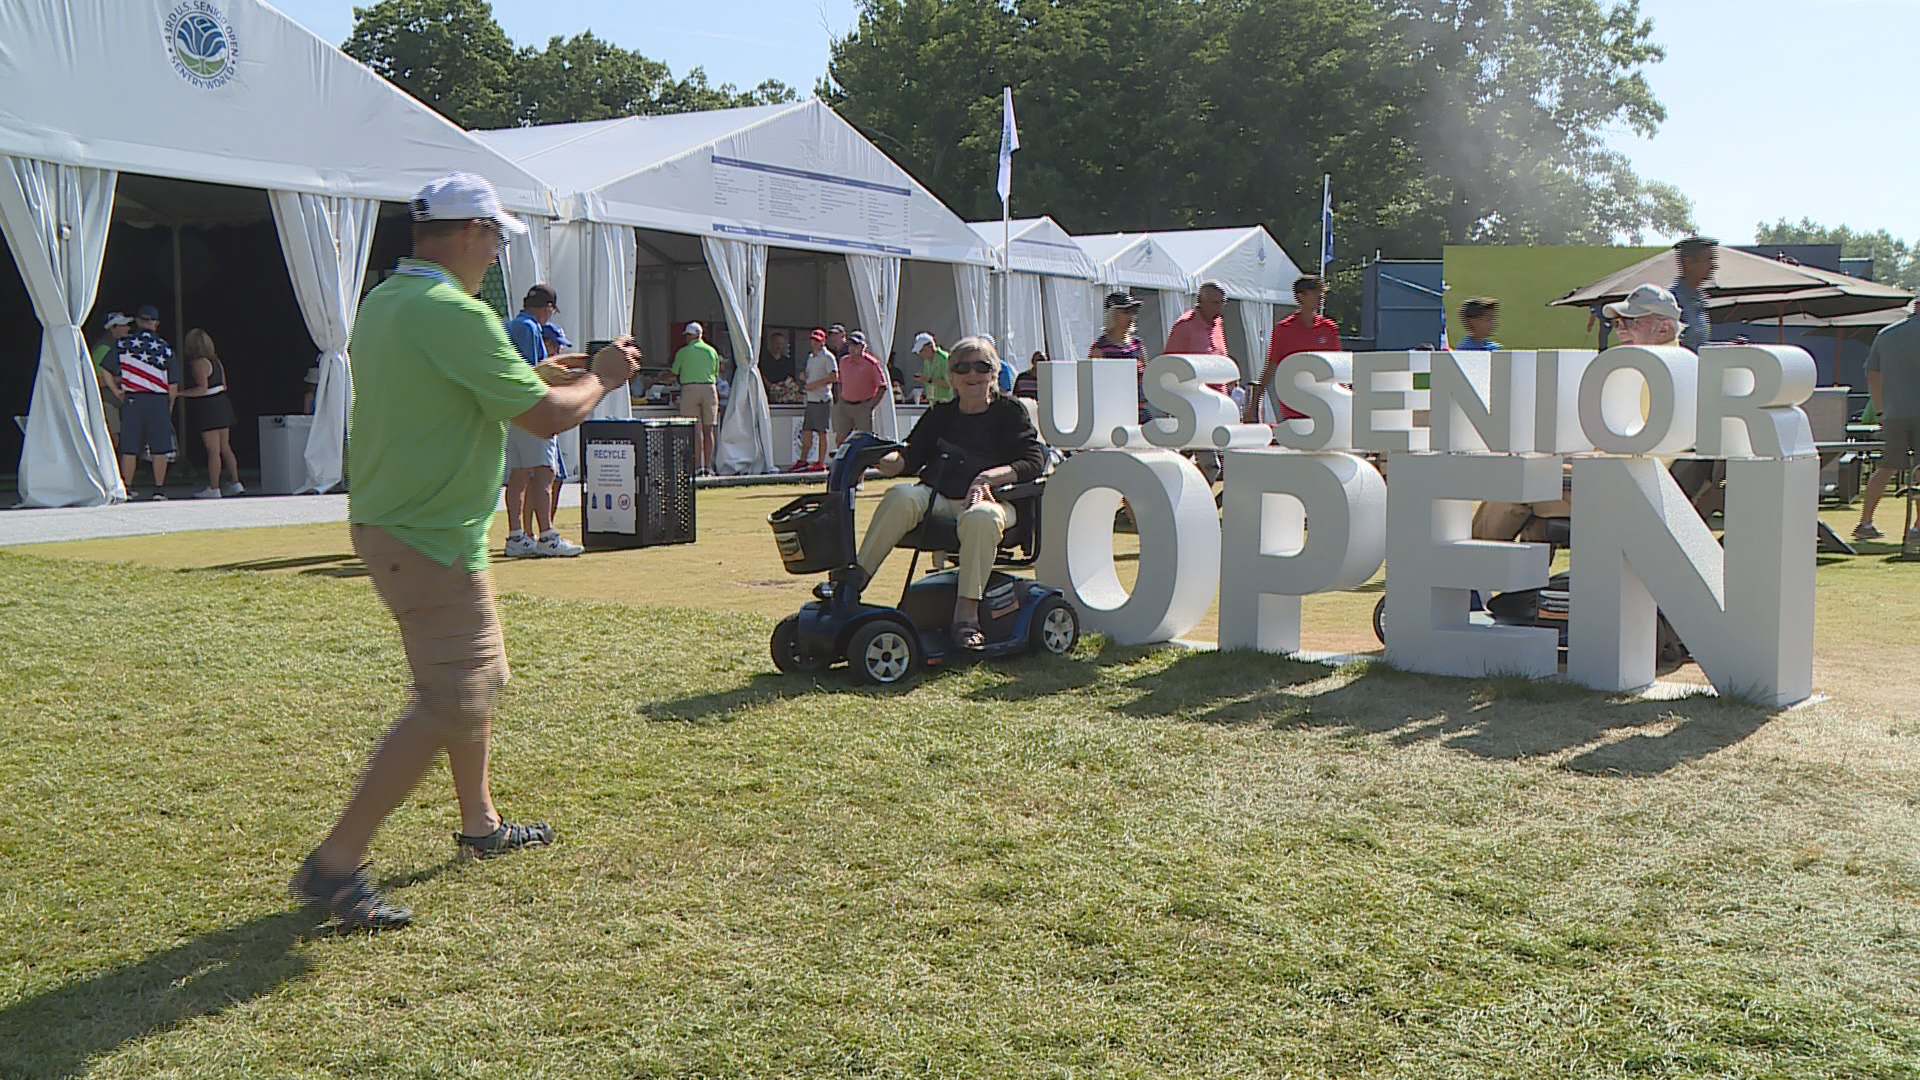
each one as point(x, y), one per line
point(216, 91)
point(743, 181)
point(1135, 262)
point(1050, 293)
point(1255, 272)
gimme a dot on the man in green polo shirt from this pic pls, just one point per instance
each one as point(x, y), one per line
point(933, 369)
point(697, 366)
point(435, 383)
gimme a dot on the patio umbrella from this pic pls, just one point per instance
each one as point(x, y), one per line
point(1740, 274)
point(1853, 297)
point(1865, 324)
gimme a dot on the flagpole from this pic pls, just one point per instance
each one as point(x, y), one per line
point(1326, 206)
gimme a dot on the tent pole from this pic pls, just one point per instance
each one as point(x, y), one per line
point(178, 417)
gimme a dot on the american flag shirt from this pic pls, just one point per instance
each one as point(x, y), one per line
point(145, 363)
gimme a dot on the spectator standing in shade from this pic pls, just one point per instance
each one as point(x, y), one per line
point(533, 461)
point(118, 325)
point(697, 366)
point(210, 413)
point(1699, 258)
point(1118, 340)
point(1028, 384)
point(1893, 379)
point(1306, 330)
point(438, 381)
point(776, 363)
point(146, 375)
point(817, 414)
point(862, 380)
point(1597, 316)
point(933, 369)
point(837, 342)
point(1481, 317)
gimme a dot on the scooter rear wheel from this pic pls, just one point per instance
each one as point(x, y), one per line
point(884, 652)
point(786, 650)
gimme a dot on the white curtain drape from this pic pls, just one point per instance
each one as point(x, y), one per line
point(876, 296)
point(593, 267)
point(1025, 328)
point(325, 240)
point(739, 270)
point(526, 260)
point(55, 220)
point(973, 286)
point(1071, 321)
point(1256, 320)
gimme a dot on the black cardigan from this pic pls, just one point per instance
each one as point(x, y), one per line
point(1010, 432)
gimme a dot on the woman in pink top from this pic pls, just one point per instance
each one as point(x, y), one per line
point(1120, 342)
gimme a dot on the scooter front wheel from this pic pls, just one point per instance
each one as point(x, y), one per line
point(787, 655)
point(884, 652)
point(1056, 629)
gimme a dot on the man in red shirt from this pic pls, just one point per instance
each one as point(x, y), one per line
point(862, 379)
point(1306, 330)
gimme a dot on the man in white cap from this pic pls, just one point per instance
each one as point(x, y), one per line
point(118, 325)
point(1648, 316)
point(697, 366)
point(933, 369)
point(436, 382)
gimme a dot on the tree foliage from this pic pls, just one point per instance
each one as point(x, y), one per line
point(451, 55)
point(1894, 261)
point(1441, 121)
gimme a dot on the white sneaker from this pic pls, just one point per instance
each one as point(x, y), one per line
point(206, 493)
point(519, 546)
point(233, 488)
point(554, 546)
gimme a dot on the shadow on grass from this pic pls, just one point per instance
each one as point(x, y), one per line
point(336, 566)
point(57, 1033)
point(757, 690)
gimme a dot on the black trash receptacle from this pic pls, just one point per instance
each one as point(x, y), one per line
point(636, 482)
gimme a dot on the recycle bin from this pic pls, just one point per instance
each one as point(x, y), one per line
point(283, 453)
point(636, 482)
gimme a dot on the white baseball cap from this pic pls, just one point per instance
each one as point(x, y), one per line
point(1646, 300)
point(118, 318)
point(922, 341)
point(691, 329)
point(464, 196)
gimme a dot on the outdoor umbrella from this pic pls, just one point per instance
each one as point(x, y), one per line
point(1740, 274)
point(1865, 324)
point(1852, 296)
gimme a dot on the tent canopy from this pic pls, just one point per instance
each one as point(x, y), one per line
point(1741, 273)
point(1245, 261)
point(793, 176)
point(1038, 246)
point(227, 92)
point(1135, 261)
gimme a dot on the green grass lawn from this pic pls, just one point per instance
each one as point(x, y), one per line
point(1131, 862)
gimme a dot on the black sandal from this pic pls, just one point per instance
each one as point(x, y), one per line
point(351, 897)
point(967, 635)
point(504, 840)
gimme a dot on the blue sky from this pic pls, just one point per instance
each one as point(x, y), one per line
point(1775, 108)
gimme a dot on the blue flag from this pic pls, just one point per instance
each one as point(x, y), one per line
point(1326, 223)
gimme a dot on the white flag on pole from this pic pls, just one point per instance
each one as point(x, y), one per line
point(1009, 142)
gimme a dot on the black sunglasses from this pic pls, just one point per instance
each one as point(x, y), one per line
point(971, 367)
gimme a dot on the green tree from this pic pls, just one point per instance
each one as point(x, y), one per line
point(457, 60)
point(1894, 261)
point(1442, 121)
point(449, 54)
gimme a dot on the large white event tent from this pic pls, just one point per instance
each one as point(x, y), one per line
point(219, 92)
point(1133, 261)
point(651, 207)
point(1251, 267)
point(1049, 294)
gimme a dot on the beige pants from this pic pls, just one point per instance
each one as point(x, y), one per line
point(700, 401)
point(905, 505)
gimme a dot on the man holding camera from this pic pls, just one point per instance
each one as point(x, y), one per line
point(438, 382)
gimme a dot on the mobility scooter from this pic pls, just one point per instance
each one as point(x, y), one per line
point(885, 645)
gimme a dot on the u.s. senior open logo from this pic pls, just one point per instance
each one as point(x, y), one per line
point(200, 41)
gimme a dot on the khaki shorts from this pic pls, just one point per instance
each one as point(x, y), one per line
point(700, 401)
point(449, 626)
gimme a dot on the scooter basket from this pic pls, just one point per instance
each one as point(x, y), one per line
point(812, 533)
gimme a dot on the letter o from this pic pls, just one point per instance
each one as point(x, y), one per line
point(1179, 529)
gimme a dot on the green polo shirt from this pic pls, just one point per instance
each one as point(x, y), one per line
point(936, 368)
point(435, 381)
point(696, 362)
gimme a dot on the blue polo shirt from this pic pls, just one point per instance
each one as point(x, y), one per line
point(1474, 344)
point(524, 331)
point(1694, 325)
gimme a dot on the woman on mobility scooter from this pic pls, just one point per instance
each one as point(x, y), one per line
point(961, 450)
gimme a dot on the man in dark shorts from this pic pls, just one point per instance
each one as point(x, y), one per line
point(436, 383)
point(146, 372)
point(816, 420)
point(1893, 378)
